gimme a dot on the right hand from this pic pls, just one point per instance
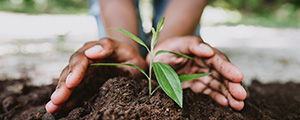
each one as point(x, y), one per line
point(91, 52)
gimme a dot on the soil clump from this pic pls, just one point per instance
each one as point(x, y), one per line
point(126, 98)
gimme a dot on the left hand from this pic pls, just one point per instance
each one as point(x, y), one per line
point(223, 85)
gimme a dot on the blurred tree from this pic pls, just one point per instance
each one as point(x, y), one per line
point(255, 6)
point(279, 13)
point(272, 13)
point(45, 6)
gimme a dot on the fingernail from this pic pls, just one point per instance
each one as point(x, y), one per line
point(206, 48)
point(69, 80)
point(94, 49)
point(51, 108)
point(54, 94)
point(225, 102)
point(48, 107)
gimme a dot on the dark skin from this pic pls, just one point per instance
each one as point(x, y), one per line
point(223, 85)
point(72, 75)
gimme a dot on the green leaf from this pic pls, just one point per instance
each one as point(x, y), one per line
point(160, 24)
point(169, 81)
point(154, 38)
point(184, 78)
point(135, 38)
point(117, 64)
point(175, 53)
point(153, 30)
point(155, 34)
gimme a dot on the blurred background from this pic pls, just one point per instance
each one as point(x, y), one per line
point(261, 37)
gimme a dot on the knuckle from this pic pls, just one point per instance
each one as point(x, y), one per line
point(106, 41)
point(82, 68)
point(73, 57)
point(197, 38)
point(88, 43)
point(66, 69)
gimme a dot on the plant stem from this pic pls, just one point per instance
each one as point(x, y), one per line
point(150, 73)
point(155, 89)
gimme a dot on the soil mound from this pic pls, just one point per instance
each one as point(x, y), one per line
point(125, 98)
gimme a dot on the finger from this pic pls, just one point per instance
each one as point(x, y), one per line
point(215, 85)
point(61, 94)
point(234, 103)
point(219, 98)
point(215, 74)
point(198, 87)
point(94, 52)
point(63, 76)
point(236, 90)
point(205, 80)
point(100, 49)
point(199, 48)
point(225, 68)
point(77, 65)
point(186, 84)
point(51, 108)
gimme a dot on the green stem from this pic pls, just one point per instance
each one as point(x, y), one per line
point(155, 89)
point(150, 73)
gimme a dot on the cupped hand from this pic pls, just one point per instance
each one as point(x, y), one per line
point(97, 51)
point(223, 85)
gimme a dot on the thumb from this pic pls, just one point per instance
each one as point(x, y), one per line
point(94, 52)
point(202, 50)
point(102, 49)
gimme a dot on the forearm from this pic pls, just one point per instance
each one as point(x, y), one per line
point(119, 14)
point(182, 18)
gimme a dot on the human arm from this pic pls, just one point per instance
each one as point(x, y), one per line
point(119, 14)
point(182, 18)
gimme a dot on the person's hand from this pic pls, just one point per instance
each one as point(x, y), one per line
point(104, 50)
point(223, 85)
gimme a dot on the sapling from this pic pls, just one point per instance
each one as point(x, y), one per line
point(167, 78)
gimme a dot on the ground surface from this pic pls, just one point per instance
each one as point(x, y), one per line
point(124, 98)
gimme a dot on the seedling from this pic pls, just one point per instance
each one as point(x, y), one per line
point(167, 78)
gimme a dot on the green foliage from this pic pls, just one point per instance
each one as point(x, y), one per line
point(167, 78)
point(156, 33)
point(135, 38)
point(184, 78)
point(276, 13)
point(254, 6)
point(175, 53)
point(45, 6)
point(117, 64)
point(169, 81)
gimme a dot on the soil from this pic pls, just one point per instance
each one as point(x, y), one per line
point(126, 98)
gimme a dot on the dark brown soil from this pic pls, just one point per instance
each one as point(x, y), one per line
point(125, 98)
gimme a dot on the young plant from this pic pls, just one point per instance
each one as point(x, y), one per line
point(167, 78)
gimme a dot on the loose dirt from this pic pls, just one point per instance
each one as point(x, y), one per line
point(126, 98)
